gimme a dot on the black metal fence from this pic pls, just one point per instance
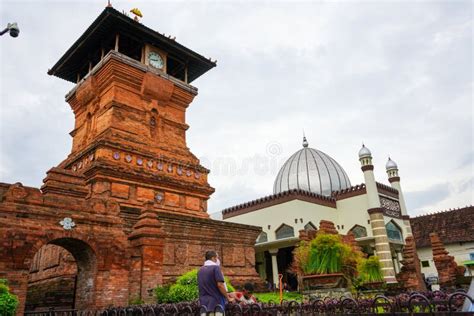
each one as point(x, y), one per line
point(430, 303)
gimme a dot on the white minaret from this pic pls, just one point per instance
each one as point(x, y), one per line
point(394, 179)
point(377, 221)
point(365, 158)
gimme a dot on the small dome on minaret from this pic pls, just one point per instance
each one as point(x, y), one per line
point(364, 152)
point(365, 158)
point(392, 171)
point(391, 164)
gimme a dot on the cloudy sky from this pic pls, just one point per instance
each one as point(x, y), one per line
point(396, 75)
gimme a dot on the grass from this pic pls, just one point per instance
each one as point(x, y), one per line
point(275, 297)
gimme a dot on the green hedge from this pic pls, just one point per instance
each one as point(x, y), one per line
point(184, 290)
point(8, 302)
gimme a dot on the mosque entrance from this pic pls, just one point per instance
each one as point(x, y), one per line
point(61, 276)
point(284, 260)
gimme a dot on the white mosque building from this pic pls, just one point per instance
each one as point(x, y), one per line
point(310, 187)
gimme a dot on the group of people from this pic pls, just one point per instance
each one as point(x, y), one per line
point(213, 289)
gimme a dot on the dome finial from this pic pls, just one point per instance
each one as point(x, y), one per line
point(305, 142)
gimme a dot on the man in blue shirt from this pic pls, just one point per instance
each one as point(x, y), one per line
point(212, 289)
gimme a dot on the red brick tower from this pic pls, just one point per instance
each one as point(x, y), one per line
point(130, 201)
point(129, 138)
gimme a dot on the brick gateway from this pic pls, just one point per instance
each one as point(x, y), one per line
point(129, 203)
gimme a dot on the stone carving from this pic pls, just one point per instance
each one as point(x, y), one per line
point(67, 223)
point(390, 207)
point(16, 192)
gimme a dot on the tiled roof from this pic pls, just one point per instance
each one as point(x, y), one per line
point(452, 226)
point(386, 189)
point(345, 193)
point(278, 198)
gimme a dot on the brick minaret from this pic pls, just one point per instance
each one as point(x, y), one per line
point(129, 139)
point(382, 246)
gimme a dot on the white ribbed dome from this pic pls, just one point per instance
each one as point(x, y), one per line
point(311, 170)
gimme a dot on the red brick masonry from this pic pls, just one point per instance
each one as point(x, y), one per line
point(136, 194)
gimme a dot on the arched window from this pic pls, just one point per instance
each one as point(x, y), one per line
point(262, 237)
point(359, 231)
point(310, 226)
point(284, 231)
point(393, 231)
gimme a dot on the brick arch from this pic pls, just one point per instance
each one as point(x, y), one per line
point(86, 261)
point(55, 237)
point(102, 257)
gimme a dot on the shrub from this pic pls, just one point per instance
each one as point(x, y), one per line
point(299, 265)
point(161, 294)
point(370, 270)
point(185, 289)
point(189, 278)
point(8, 302)
point(183, 293)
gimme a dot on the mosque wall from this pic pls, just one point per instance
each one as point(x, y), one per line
point(294, 213)
point(353, 211)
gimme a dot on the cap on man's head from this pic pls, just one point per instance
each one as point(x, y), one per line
point(210, 254)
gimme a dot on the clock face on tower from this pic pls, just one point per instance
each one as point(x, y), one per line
point(155, 60)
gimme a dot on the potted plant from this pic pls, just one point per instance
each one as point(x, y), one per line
point(370, 273)
point(321, 262)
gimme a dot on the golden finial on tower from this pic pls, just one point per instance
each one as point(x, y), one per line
point(137, 13)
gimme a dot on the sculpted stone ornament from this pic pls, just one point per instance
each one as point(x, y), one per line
point(67, 223)
point(391, 207)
